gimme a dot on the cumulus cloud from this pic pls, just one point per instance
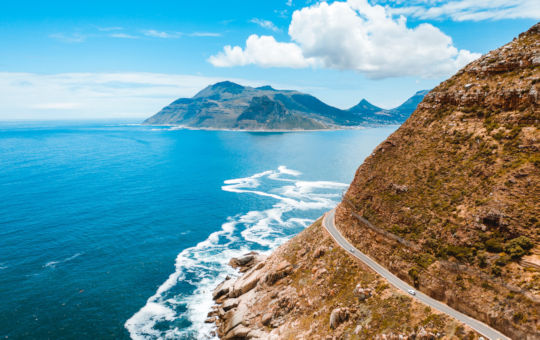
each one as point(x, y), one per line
point(265, 24)
point(462, 10)
point(353, 35)
point(264, 51)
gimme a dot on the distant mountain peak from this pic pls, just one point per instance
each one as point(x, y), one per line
point(266, 88)
point(226, 84)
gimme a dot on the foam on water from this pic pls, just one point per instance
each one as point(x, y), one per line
point(53, 264)
point(170, 312)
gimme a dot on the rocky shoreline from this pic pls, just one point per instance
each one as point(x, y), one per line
point(284, 297)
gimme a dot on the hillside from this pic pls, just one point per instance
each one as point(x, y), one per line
point(227, 105)
point(458, 182)
point(453, 201)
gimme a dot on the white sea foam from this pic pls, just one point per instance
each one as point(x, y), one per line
point(173, 313)
point(53, 264)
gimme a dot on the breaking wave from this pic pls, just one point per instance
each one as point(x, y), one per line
point(179, 307)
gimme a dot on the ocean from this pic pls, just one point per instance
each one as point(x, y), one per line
point(111, 230)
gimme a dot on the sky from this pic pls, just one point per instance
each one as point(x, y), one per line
point(127, 59)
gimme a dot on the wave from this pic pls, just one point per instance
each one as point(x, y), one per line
point(53, 264)
point(180, 305)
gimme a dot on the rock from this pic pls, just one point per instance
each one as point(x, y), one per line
point(238, 332)
point(222, 289)
point(399, 188)
point(319, 252)
point(245, 283)
point(283, 269)
point(266, 318)
point(362, 293)
point(210, 320)
point(234, 318)
point(229, 304)
point(338, 316)
point(424, 335)
point(247, 261)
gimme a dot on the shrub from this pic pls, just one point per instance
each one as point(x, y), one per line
point(414, 274)
point(494, 245)
point(518, 246)
point(503, 260)
point(459, 252)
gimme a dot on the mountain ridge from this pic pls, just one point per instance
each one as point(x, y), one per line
point(228, 105)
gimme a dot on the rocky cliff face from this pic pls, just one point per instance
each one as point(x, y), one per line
point(227, 105)
point(453, 199)
point(457, 187)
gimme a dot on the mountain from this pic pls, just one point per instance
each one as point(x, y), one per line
point(376, 115)
point(227, 105)
point(449, 203)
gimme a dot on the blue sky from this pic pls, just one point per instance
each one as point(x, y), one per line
point(110, 59)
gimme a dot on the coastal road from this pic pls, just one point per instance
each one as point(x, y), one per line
point(480, 327)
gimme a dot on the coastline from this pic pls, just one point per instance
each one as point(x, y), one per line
point(173, 127)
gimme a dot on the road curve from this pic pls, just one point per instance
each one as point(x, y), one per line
point(480, 327)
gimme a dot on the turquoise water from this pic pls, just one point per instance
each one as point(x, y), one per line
point(117, 230)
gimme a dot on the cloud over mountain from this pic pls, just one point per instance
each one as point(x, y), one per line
point(353, 35)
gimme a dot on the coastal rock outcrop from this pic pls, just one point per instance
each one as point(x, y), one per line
point(311, 289)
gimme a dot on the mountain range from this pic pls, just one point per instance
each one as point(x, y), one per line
point(227, 105)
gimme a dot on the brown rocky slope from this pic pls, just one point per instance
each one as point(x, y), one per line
point(453, 201)
point(457, 187)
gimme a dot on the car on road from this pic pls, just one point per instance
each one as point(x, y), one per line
point(411, 291)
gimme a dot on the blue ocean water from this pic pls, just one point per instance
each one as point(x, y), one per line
point(111, 230)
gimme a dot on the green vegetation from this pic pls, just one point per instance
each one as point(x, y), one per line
point(518, 246)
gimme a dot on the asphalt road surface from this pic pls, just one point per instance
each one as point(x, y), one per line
point(480, 327)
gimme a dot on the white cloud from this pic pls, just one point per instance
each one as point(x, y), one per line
point(161, 34)
point(264, 51)
point(95, 95)
point(265, 24)
point(353, 35)
point(123, 36)
point(68, 38)
point(204, 34)
point(463, 10)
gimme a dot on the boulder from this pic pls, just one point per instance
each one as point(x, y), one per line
point(283, 269)
point(223, 288)
point(229, 304)
point(338, 316)
point(245, 283)
point(362, 293)
point(266, 318)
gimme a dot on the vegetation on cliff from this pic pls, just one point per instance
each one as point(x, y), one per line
point(458, 182)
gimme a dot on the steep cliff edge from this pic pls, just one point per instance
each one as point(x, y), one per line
point(457, 185)
point(453, 199)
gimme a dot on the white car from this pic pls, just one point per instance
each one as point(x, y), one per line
point(411, 291)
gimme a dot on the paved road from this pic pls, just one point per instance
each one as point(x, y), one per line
point(485, 330)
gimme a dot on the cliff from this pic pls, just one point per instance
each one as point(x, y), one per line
point(227, 105)
point(453, 200)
